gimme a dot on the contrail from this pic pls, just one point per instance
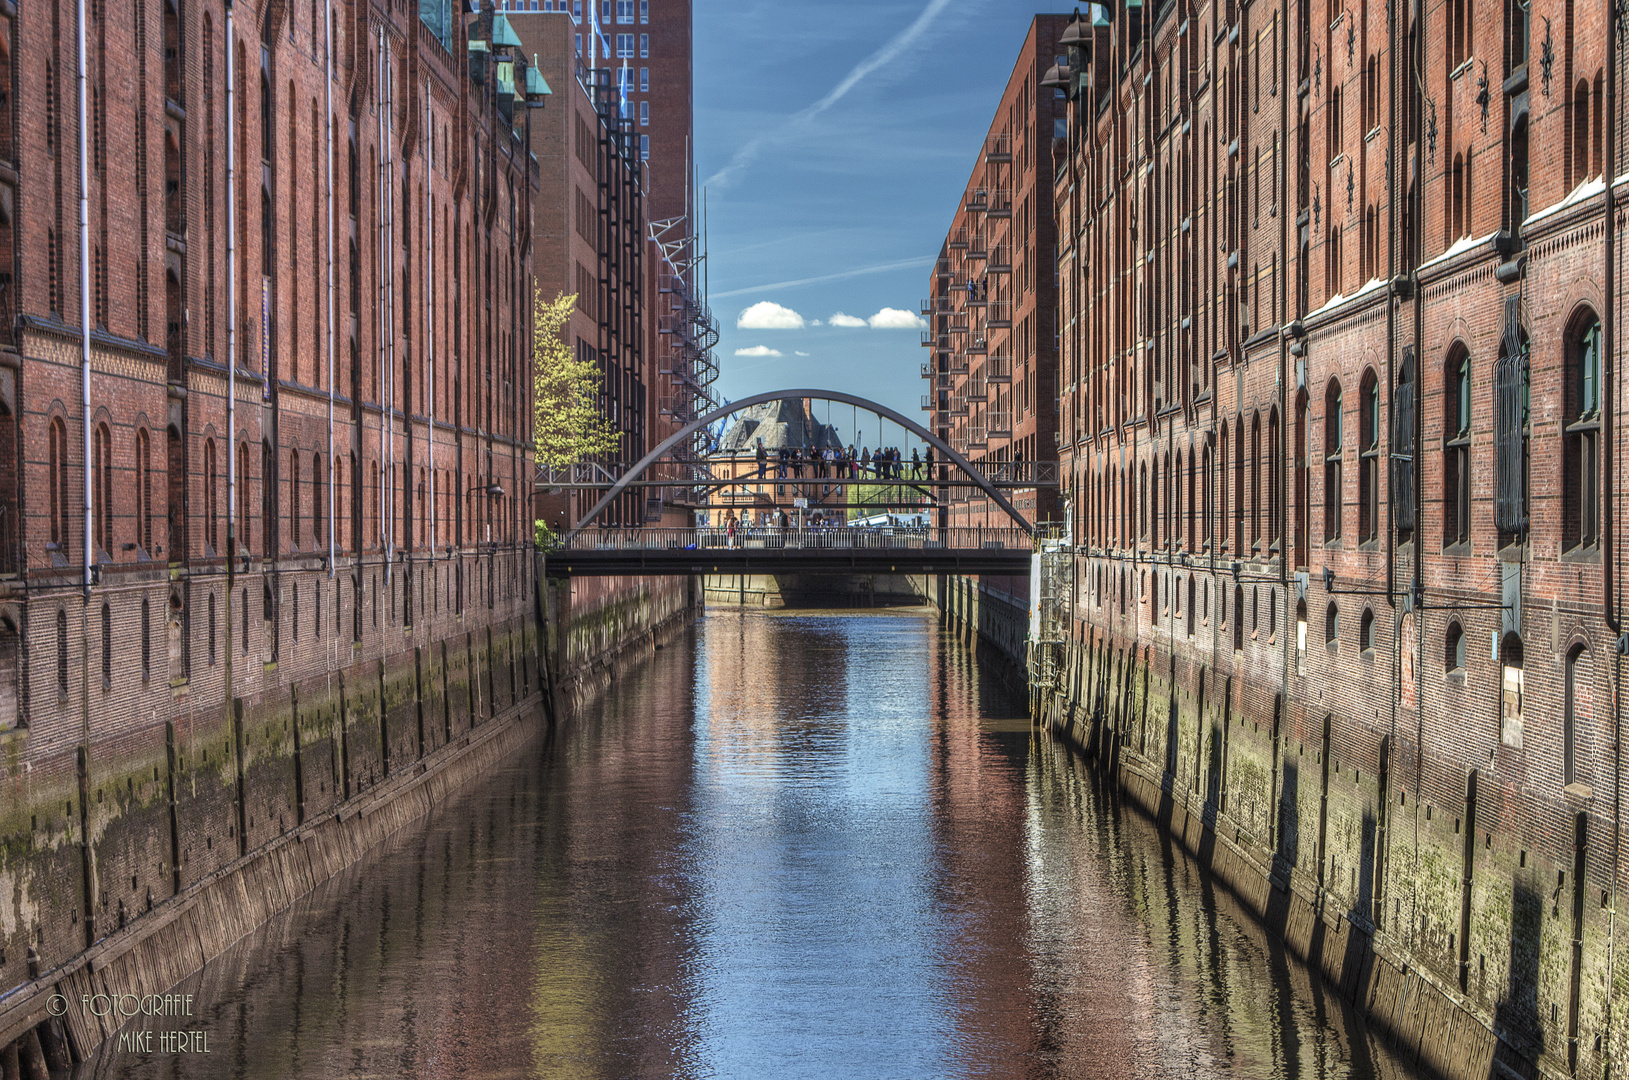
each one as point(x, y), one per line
point(878, 269)
point(901, 41)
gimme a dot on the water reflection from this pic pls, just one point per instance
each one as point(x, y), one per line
point(814, 844)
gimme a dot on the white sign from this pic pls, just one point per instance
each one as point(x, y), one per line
point(800, 503)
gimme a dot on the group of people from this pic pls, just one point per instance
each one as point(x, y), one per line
point(842, 463)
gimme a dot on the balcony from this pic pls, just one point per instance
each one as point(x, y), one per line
point(941, 268)
point(1000, 259)
point(977, 201)
point(977, 246)
point(976, 345)
point(958, 405)
point(999, 314)
point(932, 339)
point(998, 368)
point(999, 204)
point(976, 438)
point(959, 239)
point(927, 402)
point(998, 148)
point(976, 389)
point(927, 370)
point(936, 305)
point(998, 423)
point(958, 364)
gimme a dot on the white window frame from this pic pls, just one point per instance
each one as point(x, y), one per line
point(644, 114)
point(625, 46)
point(644, 46)
point(644, 80)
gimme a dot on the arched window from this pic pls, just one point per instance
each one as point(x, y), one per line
point(1512, 430)
point(1366, 631)
point(1275, 536)
point(1369, 458)
point(1580, 164)
point(1303, 512)
point(146, 639)
point(1332, 461)
point(1255, 484)
point(1456, 446)
point(268, 499)
point(319, 509)
point(1238, 618)
point(1575, 712)
point(1511, 702)
point(294, 499)
point(1300, 635)
point(1239, 451)
point(59, 490)
point(244, 537)
point(102, 518)
point(1332, 627)
point(1222, 455)
point(1580, 458)
point(107, 647)
point(1453, 651)
point(144, 492)
point(211, 497)
point(1518, 173)
point(62, 652)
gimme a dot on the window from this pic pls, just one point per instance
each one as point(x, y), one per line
point(1518, 177)
point(211, 486)
point(1575, 702)
point(1303, 525)
point(1332, 462)
point(644, 147)
point(1300, 636)
point(644, 11)
point(1459, 32)
point(1456, 473)
point(1519, 31)
point(62, 652)
point(102, 527)
point(644, 53)
point(625, 11)
point(1580, 461)
point(1453, 652)
point(1511, 432)
point(625, 45)
point(1238, 618)
point(644, 78)
point(1366, 631)
point(107, 647)
point(1332, 627)
point(146, 639)
point(644, 114)
point(211, 629)
point(1333, 117)
point(1511, 691)
point(59, 489)
point(1369, 459)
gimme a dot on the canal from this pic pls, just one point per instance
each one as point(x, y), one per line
point(792, 845)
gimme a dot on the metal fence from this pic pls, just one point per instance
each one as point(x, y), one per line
point(835, 537)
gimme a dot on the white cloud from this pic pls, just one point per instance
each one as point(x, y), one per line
point(768, 315)
point(890, 318)
point(758, 350)
point(879, 268)
point(840, 319)
point(814, 322)
point(798, 353)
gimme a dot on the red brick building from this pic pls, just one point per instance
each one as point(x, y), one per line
point(991, 306)
point(301, 428)
point(1337, 303)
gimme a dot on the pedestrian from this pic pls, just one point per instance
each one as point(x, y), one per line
point(916, 464)
point(763, 458)
point(729, 527)
point(929, 463)
point(865, 458)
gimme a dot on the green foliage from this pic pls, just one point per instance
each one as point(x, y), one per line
point(544, 537)
point(567, 424)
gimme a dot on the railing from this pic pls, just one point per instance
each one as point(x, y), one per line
point(959, 240)
point(998, 148)
point(976, 389)
point(1000, 313)
point(975, 437)
point(976, 345)
point(927, 370)
point(1000, 260)
point(977, 200)
point(977, 246)
point(934, 340)
point(927, 402)
point(999, 422)
point(793, 538)
point(941, 268)
point(936, 305)
point(999, 203)
point(958, 364)
point(998, 367)
point(1039, 473)
point(958, 405)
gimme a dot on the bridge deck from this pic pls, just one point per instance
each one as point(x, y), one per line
point(968, 550)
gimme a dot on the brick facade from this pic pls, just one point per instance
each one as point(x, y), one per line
point(1302, 293)
point(221, 677)
point(992, 367)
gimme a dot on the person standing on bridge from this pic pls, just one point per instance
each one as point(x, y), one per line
point(916, 464)
point(763, 458)
point(930, 463)
point(729, 527)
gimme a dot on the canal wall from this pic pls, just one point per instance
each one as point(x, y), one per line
point(816, 590)
point(1467, 918)
point(171, 842)
point(990, 614)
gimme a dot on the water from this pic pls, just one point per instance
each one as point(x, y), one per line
point(793, 845)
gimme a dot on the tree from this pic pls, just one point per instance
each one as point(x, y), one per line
point(567, 423)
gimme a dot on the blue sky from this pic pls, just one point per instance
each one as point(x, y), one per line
point(834, 140)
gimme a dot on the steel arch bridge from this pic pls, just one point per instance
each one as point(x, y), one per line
point(591, 550)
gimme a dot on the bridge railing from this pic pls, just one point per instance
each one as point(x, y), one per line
point(792, 538)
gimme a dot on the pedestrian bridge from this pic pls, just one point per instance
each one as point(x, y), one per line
point(838, 549)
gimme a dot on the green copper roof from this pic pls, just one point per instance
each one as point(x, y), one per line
point(503, 34)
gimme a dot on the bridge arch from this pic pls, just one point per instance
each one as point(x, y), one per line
point(733, 407)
